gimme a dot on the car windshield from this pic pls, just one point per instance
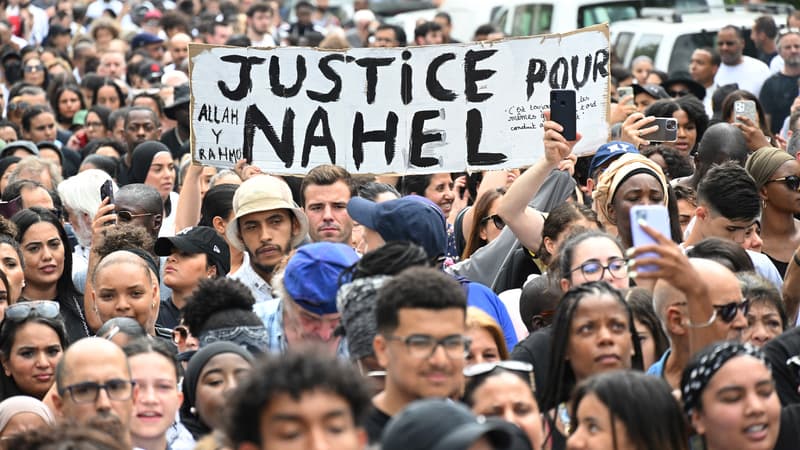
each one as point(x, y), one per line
point(607, 12)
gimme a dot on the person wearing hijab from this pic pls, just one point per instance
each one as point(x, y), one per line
point(152, 164)
point(629, 181)
point(777, 177)
point(21, 413)
point(213, 372)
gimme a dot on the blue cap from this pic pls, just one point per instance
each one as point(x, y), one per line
point(311, 277)
point(411, 218)
point(609, 152)
point(142, 39)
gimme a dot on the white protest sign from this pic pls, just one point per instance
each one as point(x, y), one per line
point(445, 108)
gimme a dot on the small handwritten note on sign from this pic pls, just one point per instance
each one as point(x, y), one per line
point(414, 110)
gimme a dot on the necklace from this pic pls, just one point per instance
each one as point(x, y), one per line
point(80, 314)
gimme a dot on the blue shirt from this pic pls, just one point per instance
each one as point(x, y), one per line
point(657, 369)
point(271, 313)
point(487, 301)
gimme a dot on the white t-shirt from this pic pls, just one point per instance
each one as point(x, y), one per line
point(750, 74)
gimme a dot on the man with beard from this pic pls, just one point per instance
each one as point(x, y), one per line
point(267, 225)
point(326, 189)
point(749, 73)
point(94, 387)
point(307, 312)
point(780, 89)
point(141, 124)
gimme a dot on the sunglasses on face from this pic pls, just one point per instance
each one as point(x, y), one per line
point(127, 216)
point(496, 220)
point(41, 308)
point(792, 182)
point(727, 312)
point(36, 68)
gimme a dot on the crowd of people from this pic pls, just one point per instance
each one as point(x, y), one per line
point(151, 303)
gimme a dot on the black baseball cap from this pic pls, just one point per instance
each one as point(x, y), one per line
point(198, 240)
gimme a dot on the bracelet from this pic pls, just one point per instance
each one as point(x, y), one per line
point(795, 258)
point(706, 324)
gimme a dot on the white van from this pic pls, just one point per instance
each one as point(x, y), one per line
point(527, 17)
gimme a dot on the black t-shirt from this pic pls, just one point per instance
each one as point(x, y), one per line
point(169, 316)
point(789, 437)
point(778, 352)
point(375, 423)
point(776, 97)
point(535, 349)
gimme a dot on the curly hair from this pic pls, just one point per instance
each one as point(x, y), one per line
point(219, 303)
point(123, 237)
point(293, 374)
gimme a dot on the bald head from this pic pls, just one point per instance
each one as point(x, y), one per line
point(91, 348)
point(664, 296)
point(724, 289)
point(94, 387)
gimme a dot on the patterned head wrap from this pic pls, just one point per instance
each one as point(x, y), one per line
point(356, 302)
point(702, 368)
point(620, 170)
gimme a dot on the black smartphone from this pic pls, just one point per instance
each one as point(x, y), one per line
point(563, 112)
point(107, 191)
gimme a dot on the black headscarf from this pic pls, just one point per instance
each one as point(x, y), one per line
point(142, 158)
point(191, 420)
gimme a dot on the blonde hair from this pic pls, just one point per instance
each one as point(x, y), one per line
point(477, 318)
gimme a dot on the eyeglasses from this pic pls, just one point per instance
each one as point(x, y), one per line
point(675, 94)
point(496, 220)
point(93, 124)
point(593, 270)
point(127, 216)
point(484, 368)
point(792, 182)
point(42, 308)
point(423, 346)
point(727, 312)
point(32, 68)
point(117, 390)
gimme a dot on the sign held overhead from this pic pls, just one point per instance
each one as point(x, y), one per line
point(444, 108)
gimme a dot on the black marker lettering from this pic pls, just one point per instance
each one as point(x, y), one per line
point(474, 133)
point(388, 136)
point(600, 63)
point(561, 63)
point(372, 64)
point(586, 69)
point(405, 79)
point(472, 75)
point(283, 146)
point(329, 73)
point(537, 71)
point(432, 82)
point(275, 77)
point(419, 138)
point(216, 134)
point(320, 116)
point(245, 82)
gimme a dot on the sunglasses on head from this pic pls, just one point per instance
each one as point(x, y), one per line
point(41, 308)
point(496, 220)
point(792, 182)
point(727, 312)
point(484, 368)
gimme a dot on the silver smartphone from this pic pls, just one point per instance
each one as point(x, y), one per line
point(667, 130)
point(625, 91)
point(745, 108)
